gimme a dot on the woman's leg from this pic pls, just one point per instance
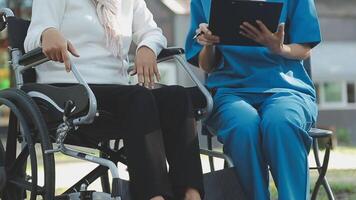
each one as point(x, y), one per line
point(237, 125)
point(134, 108)
point(286, 118)
point(180, 138)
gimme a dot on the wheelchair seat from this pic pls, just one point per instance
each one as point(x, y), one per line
point(52, 99)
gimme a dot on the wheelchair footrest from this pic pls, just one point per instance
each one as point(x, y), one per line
point(87, 195)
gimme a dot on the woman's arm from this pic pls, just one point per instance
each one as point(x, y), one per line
point(45, 14)
point(201, 51)
point(150, 41)
point(275, 41)
point(43, 31)
point(56, 47)
point(295, 51)
point(208, 56)
point(145, 30)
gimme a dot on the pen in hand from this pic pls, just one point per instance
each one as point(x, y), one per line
point(205, 37)
point(198, 34)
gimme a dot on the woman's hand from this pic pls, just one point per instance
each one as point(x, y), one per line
point(206, 37)
point(146, 67)
point(56, 47)
point(262, 35)
point(275, 41)
point(207, 56)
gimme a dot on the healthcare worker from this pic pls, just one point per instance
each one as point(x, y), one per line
point(264, 100)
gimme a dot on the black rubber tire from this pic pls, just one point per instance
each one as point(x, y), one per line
point(31, 113)
point(2, 168)
point(15, 172)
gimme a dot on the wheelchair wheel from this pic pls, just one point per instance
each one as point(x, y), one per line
point(30, 172)
point(2, 168)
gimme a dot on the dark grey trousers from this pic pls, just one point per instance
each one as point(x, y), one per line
point(156, 125)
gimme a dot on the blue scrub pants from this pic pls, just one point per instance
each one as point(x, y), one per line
point(261, 130)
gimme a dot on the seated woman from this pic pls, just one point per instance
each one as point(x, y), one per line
point(154, 123)
point(264, 102)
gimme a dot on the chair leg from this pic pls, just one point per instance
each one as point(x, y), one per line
point(322, 169)
point(104, 179)
point(210, 147)
point(325, 167)
point(328, 190)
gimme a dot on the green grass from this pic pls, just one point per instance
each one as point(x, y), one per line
point(342, 182)
point(345, 149)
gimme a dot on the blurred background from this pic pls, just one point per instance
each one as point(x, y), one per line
point(333, 70)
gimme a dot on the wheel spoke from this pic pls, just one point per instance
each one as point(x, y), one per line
point(20, 161)
point(27, 185)
point(11, 140)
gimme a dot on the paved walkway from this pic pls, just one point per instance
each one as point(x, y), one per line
point(68, 173)
point(340, 160)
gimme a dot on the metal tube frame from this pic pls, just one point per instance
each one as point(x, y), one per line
point(209, 99)
point(322, 169)
point(218, 155)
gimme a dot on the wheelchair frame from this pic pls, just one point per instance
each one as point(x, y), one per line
point(25, 108)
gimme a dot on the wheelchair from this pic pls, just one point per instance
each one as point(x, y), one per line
point(42, 115)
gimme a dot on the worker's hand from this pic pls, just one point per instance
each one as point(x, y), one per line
point(262, 35)
point(206, 37)
point(146, 67)
point(56, 47)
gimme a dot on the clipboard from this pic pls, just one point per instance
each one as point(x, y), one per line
point(226, 16)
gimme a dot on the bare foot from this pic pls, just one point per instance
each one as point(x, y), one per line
point(157, 198)
point(192, 194)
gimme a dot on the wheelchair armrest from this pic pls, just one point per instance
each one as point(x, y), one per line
point(169, 52)
point(166, 54)
point(33, 58)
point(36, 57)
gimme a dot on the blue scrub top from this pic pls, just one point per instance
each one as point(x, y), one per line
point(256, 69)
